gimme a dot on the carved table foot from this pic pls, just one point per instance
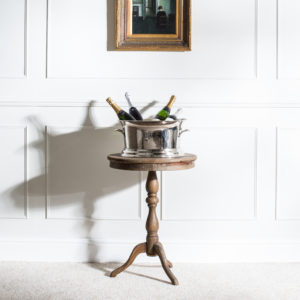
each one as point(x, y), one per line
point(159, 250)
point(140, 248)
point(170, 264)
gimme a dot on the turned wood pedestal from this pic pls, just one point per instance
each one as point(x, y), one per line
point(152, 246)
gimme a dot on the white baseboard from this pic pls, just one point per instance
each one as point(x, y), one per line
point(82, 250)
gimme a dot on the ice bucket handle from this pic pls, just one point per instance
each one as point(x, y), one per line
point(121, 131)
point(182, 131)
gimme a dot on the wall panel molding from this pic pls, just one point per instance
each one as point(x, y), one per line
point(277, 39)
point(14, 167)
point(76, 250)
point(239, 84)
point(288, 42)
point(19, 72)
point(113, 55)
point(187, 199)
point(81, 188)
point(141, 103)
point(287, 171)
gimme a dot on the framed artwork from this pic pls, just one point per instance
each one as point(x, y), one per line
point(153, 25)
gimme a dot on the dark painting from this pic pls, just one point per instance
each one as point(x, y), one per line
point(154, 16)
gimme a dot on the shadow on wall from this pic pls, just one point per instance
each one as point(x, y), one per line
point(110, 19)
point(77, 170)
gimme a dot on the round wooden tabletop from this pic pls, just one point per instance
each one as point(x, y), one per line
point(186, 161)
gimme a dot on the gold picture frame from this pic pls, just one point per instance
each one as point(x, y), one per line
point(178, 38)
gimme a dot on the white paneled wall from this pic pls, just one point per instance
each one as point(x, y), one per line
point(287, 174)
point(239, 89)
point(80, 183)
point(13, 169)
point(288, 39)
point(77, 38)
point(13, 37)
point(235, 198)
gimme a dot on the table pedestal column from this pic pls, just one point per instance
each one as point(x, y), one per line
point(152, 247)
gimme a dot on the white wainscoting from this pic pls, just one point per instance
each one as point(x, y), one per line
point(288, 161)
point(240, 94)
point(80, 183)
point(13, 161)
point(221, 151)
point(288, 39)
point(230, 54)
point(13, 38)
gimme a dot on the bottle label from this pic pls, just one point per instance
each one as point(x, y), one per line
point(163, 114)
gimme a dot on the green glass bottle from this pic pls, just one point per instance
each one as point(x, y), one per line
point(165, 112)
point(122, 115)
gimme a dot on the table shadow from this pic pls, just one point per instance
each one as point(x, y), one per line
point(107, 268)
point(74, 171)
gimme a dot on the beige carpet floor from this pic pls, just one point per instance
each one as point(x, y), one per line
point(197, 281)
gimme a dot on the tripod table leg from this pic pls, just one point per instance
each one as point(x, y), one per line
point(159, 250)
point(140, 248)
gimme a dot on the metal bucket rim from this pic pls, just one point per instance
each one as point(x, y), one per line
point(151, 124)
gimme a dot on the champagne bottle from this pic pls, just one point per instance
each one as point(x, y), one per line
point(122, 115)
point(165, 112)
point(133, 110)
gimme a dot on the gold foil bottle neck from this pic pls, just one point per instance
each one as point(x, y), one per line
point(171, 102)
point(116, 107)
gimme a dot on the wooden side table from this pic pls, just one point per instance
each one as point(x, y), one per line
point(152, 246)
